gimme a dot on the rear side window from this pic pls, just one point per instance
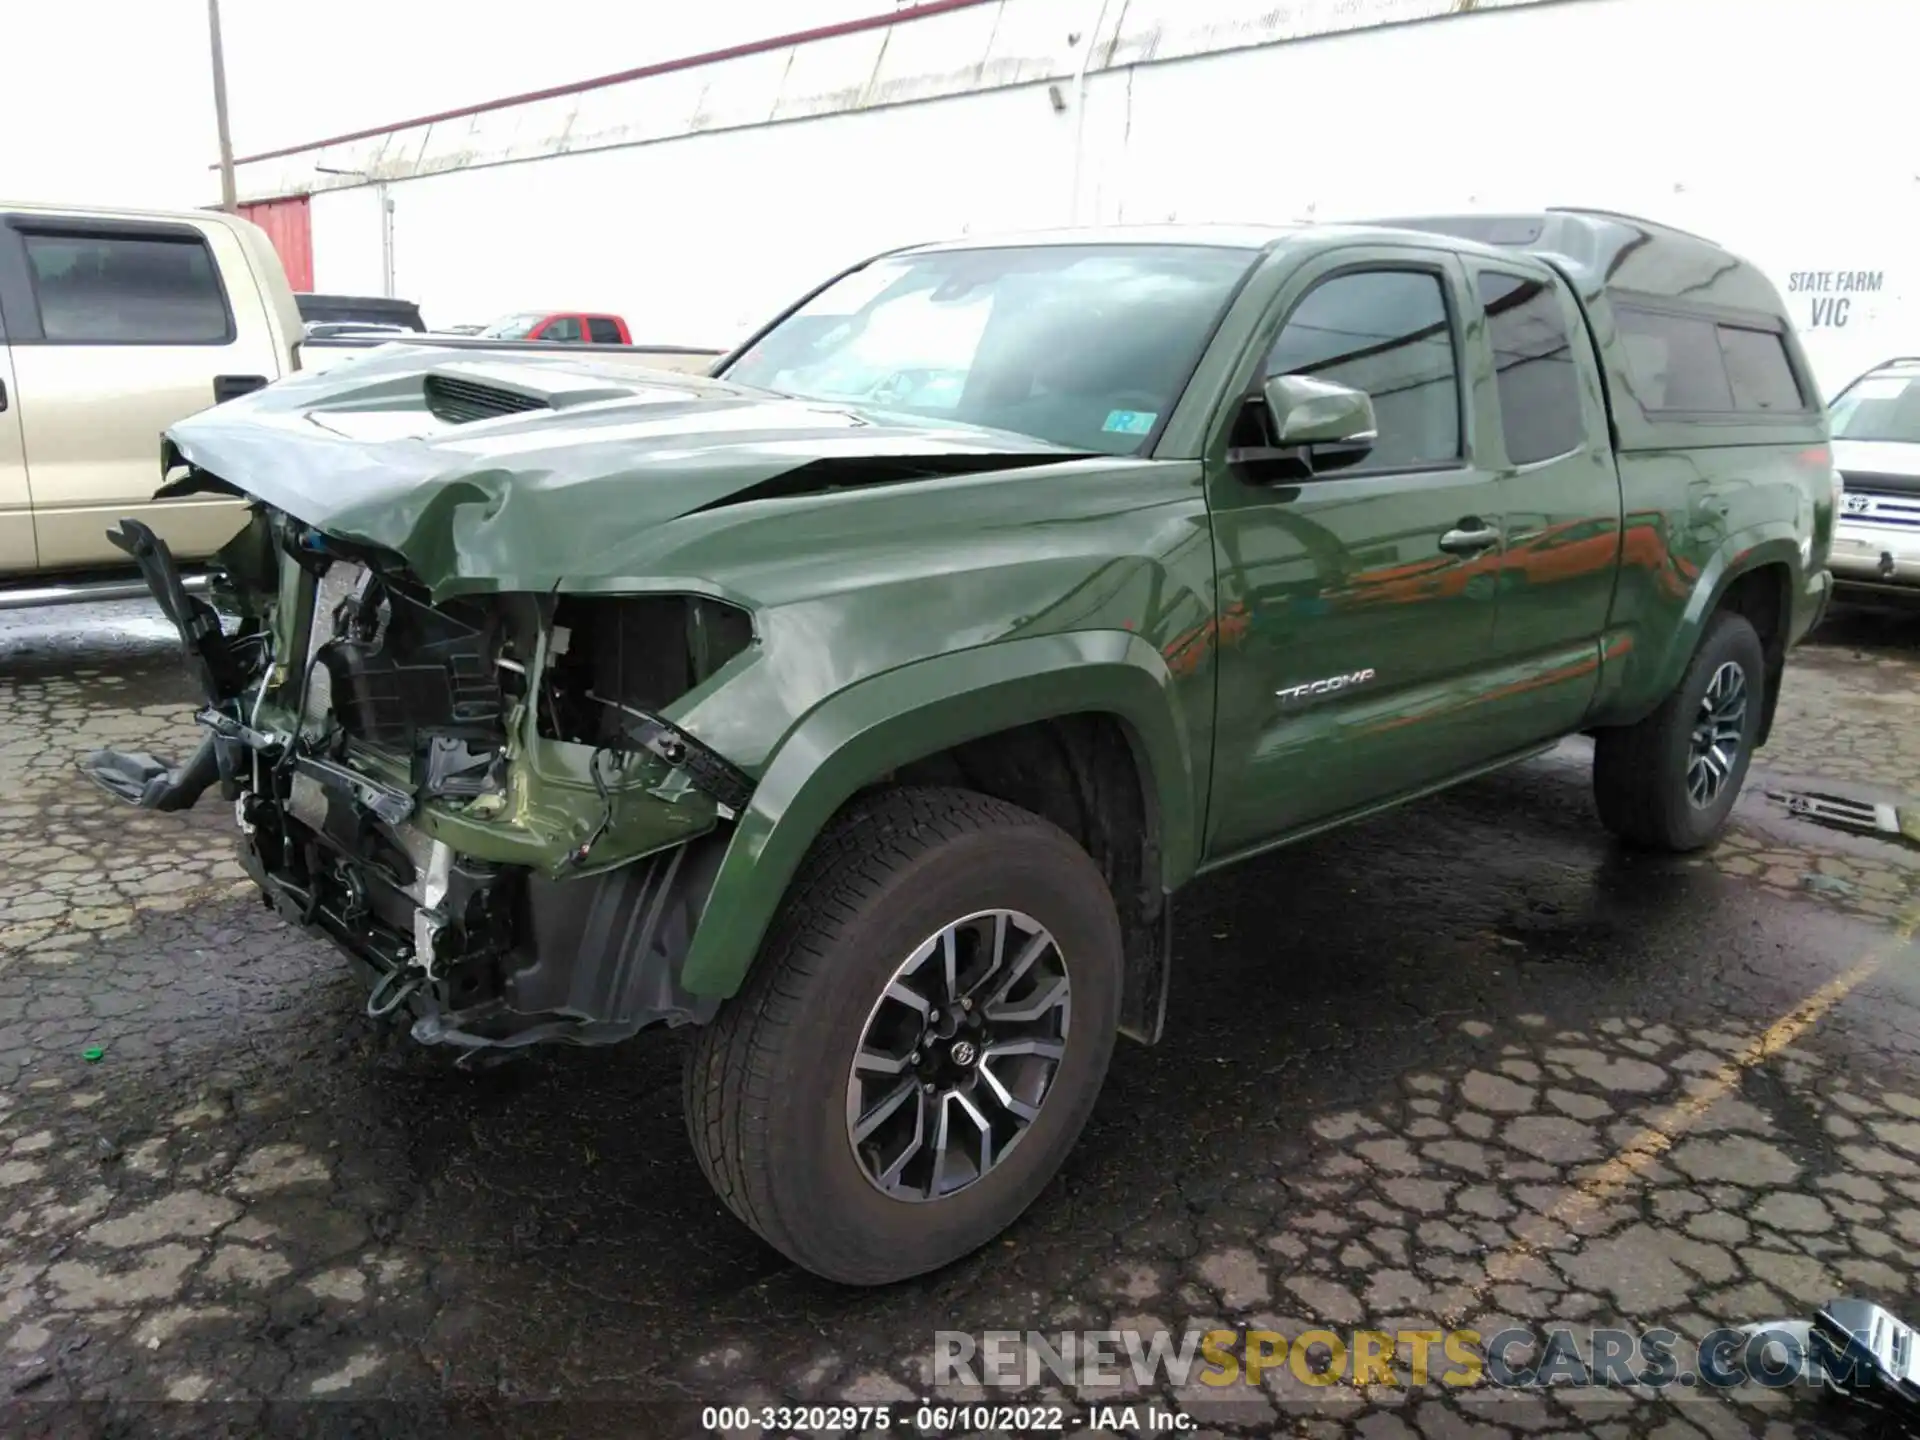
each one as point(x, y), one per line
point(1539, 386)
point(127, 290)
point(1385, 332)
point(602, 331)
point(1759, 370)
point(1690, 363)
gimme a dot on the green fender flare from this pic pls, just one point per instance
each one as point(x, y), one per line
point(1649, 676)
point(1738, 555)
point(879, 724)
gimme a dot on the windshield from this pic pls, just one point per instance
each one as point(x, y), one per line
point(514, 327)
point(1086, 346)
point(1879, 407)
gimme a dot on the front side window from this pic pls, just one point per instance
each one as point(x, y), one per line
point(565, 329)
point(1084, 346)
point(1879, 407)
point(127, 290)
point(1385, 332)
point(1535, 377)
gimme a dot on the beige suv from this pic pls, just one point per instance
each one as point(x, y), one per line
point(113, 325)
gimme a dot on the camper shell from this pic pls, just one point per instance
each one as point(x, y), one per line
point(1657, 296)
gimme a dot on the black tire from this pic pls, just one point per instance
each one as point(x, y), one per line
point(1640, 771)
point(767, 1082)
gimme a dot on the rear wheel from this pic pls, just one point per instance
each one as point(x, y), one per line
point(921, 1041)
point(1670, 781)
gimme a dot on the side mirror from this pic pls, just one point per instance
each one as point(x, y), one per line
point(1315, 425)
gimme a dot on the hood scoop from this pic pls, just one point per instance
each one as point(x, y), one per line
point(458, 399)
point(459, 402)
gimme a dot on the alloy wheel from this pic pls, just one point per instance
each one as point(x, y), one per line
point(1718, 732)
point(958, 1055)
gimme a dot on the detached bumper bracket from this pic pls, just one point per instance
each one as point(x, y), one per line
point(384, 801)
point(712, 772)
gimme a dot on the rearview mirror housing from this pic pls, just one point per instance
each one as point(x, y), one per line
point(1313, 412)
point(1315, 425)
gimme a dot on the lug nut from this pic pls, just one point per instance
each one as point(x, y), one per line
point(933, 1015)
point(914, 1058)
point(966, 1004)
point(928, 1087)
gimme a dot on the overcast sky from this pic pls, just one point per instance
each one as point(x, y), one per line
point(111, 102)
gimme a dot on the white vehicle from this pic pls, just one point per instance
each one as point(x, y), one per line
point(1876, 449)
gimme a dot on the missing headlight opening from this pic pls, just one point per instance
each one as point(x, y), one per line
point(432, 686)
point(614, 661)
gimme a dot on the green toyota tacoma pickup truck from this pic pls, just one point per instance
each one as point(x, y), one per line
point(865, 704)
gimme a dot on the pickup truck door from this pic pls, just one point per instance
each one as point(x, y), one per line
point(1560, 492)
point(16, 501)
point(120, 328)
point(1367, 586)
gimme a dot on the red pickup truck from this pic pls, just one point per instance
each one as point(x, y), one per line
point(567, 327)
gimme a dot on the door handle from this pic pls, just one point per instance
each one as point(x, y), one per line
point(231, 387)
point(1470, 537)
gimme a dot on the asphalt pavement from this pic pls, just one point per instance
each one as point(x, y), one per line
point(1468, 1064)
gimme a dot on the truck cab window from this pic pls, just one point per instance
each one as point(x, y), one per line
point(1385, 332)
point(127, 290)
point(1538, 386)
point(602, 331)
point(566, 330)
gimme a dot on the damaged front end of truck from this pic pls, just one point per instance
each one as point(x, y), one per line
point(476, 800)
point(444, 665)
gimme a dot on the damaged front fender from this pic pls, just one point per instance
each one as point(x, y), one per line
point(864, 732)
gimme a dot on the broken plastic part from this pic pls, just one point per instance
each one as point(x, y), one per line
point(219, 662)
point(150, 783)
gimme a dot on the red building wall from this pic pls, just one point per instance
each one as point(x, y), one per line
point(289, 224)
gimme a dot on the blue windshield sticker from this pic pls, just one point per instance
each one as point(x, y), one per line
point(1130, 422)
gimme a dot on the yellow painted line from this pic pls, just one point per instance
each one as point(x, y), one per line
point(1608, 1180)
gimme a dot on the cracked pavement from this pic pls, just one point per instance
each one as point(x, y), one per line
point(1402, 1067)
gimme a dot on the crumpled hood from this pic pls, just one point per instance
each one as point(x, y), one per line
point(377, 453)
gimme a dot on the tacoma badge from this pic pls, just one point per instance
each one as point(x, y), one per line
point(1324, 687)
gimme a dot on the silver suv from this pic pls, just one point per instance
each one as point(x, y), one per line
point(1876, 448)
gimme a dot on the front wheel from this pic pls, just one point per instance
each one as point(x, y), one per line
point(922, 1039)
point(1670, 781)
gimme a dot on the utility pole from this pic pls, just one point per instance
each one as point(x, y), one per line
point(227, 199)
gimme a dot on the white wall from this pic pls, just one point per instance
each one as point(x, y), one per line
point(348, 258)
point(1705, 114)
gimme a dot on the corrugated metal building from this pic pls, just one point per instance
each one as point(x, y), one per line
point(697, 196)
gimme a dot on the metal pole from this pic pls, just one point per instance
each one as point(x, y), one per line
point(386, 236)
point(227, 198)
